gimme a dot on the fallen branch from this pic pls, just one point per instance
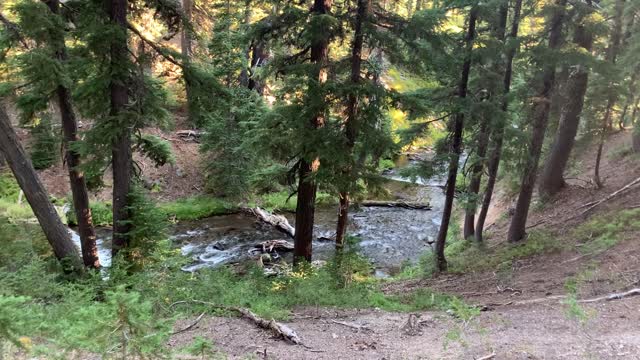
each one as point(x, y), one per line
point(278, 221)
point(610, 297)
point(487, 357)
point(191, 326)
point(350, 325)
point(611, 196)
point(394, 204)
point(278, 329)
point(615, 296)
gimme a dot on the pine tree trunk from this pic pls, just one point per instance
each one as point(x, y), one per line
point(186, 50)
point(551, 179)
point(456, 144)
point(539, 127)
point(611, 55)
point(498, 134)
point(351, 125)
point(476, 178)
point(258, 59)
point(76, 177)
point(307, 187)
point(122, 163)
point(54, 230)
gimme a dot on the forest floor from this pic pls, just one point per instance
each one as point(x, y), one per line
point(531, 304)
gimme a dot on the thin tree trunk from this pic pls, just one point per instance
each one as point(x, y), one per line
point(307, 187)
point(476, 179)
point(121, 148)
point(76, 177)
point(351, 126)
point(54, 230)
point(611, 55)
point(185, 47)
point(498, 134)
point(456, 144)
point(539, 127)
point(551, 179)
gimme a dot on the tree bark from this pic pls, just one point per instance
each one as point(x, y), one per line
point(121, 148)
point(307, 187)
point(551, 179)
point(539, 127)
point(610, 57)
point(351, 126)
point(54, 230)
point(76, 177)
point(186, 50)
point(498, 134)
point(456, 144)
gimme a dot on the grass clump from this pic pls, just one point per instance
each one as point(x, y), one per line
point(194, 208)
point(603, 232)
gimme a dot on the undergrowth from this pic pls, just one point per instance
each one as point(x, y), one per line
point(123, 312)
point(605, 231)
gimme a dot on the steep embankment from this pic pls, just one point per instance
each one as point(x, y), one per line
point(530, 294)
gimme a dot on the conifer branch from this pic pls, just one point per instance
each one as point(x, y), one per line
point(14, 30)
point(158, 48)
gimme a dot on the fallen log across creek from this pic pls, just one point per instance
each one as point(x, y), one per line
point(396, 204)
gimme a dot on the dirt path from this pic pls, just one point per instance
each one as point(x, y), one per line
point(541, 331)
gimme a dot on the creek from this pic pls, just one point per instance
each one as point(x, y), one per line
point(388, 236)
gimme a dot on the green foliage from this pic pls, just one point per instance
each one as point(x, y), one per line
point(195, 208)
point(202, 348)
point(605, 231)
point(284, 201)
point(156, 149)
point(45, 149)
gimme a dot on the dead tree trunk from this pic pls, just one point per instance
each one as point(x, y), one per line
point(56, 233)
point(498, 133)
point(351, 126)
point(539, 127)
point(551, 179)
point(456, 144)
point(307, 187)
point(76, 177)
point(610, 57)
point(122, 162)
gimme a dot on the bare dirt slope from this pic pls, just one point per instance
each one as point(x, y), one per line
point(512, 327)
point(541, 331)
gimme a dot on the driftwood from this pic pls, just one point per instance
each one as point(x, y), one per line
point(590, 206)
point(398, 204)
point(278, 329)
point(271, 245)
point(278, 221)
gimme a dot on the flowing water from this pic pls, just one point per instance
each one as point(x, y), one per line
point(389, 237)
